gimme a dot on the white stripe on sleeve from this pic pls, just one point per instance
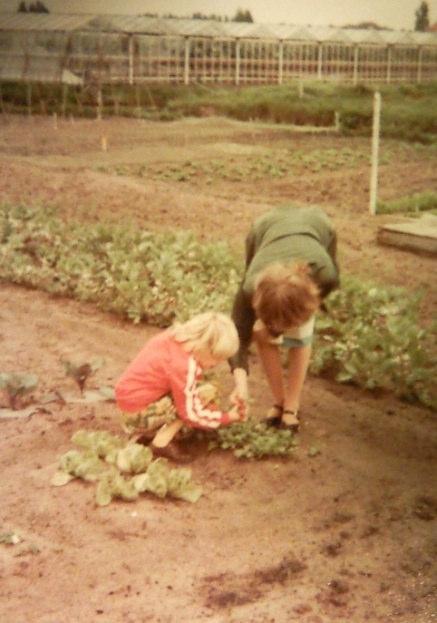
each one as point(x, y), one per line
point(196, 411)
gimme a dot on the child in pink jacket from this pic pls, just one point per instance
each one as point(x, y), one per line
point(172, 363)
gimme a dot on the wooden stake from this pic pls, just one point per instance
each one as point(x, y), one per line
point(104, 143)
point(55, 121)
point(99, 104)
point(131, 60)
point(2, 104)
point(300, 88)
point(375, 153)
point(29, 99)
point(64, 99)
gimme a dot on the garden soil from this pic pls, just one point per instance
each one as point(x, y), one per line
point(342, 532)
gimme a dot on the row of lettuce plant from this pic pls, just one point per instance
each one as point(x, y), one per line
point(370, 336)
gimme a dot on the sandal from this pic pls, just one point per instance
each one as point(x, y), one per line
point(292, 421)
point(274, 415)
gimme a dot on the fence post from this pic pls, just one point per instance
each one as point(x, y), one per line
point(281, 62)
point(131, 59)
point(29, 98)
point(64, 99)
point(388, 64)
point(355, 78)
point(419, 64)
point(237, 62)
point(375, 152)
point(99, 102)
point(187, 61)
point(320, 62)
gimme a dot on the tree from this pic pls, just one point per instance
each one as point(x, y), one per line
point(243, 16)
point(38, 7)
point(422, 17)
point(366, 26)
point(213, 16)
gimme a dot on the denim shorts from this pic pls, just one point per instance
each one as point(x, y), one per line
point(295, 337)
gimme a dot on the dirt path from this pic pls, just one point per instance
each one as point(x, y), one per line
point(347, 535)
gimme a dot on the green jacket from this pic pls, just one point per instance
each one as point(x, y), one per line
point(285, 234)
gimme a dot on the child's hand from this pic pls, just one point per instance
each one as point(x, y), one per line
point(234, 415)
point(240, 404)
point(238, 412)
point(241, 389)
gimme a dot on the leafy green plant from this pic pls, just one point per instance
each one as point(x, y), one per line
point(122, 469)
point(371, 337)
point(153, 277)
point(253, 440)
point(16, 386)
point(274, 164)
point(419, 202)
point(80, 372)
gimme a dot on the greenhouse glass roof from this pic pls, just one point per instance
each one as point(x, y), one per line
point(27, 21)
point(207, 28)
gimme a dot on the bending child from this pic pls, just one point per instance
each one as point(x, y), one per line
point(290, 267)
point(172, 363)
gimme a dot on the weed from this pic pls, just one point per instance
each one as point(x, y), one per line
point(419, 202)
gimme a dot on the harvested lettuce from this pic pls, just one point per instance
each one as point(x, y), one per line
point(122, 469)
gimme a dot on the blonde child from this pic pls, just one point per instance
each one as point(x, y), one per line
point(290, 267)
point(172, 363)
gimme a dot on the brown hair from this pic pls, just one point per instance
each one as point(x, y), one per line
point(285, 296)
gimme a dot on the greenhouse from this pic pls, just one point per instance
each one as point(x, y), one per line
point(98, 50)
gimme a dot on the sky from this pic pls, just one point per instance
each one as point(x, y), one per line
point(397, 14)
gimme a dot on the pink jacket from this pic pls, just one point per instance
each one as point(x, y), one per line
point(164, 367)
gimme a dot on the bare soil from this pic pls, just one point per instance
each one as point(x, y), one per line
point(346, 536)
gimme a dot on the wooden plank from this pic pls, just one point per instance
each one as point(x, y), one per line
point(419, 235)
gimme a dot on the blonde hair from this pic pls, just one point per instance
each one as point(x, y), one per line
point(285, 295)
point(210, 332)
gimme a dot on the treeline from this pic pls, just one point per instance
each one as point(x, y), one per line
point(240, 16)
point(422, 17)
point(34, 7)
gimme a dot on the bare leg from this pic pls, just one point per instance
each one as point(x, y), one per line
point(166, 433)
point(298, 361)
point(271, 361)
